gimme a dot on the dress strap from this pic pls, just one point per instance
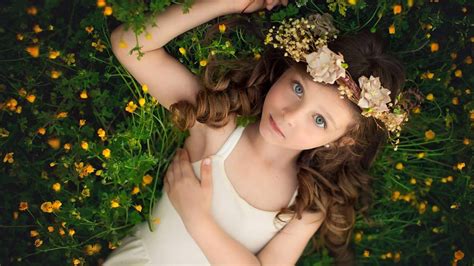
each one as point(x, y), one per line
point(230, 143)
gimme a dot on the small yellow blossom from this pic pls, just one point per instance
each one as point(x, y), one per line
point(147, 179)
point(55, 143)
point(141, 102)
point(458, 73)
point(92, 249)
point(430, 134)
point(366, 253)
point(82, 122)
point(135, 190)
point(8, 157)
point(101, 133)
point(38, 242)
point(71, 232)
point(33, 50)
point(56, 205)
point(32, 10)
point(62, 115)
point(47, 207)
point(395, 195)
point(37, 28)
point(203, 62)
point(19, 36)
point(50, 229)
point(67, 146)
point(114, 203)
point(417, 110)
point(131, 107)
point(182, 50)
point(358, 237)
point(256, 56)
point(108, 11)
point(98, 45)
point(435, 208)
point(453, 55)
point(106, 153)
point(83, 95)
point(89, 29)
point(468, 60)
point(458, 255)
point(84, 145)
point(399, 166)
point(430, 97)
point(76, 262)
point(22, 92)
point(455, 101)
point(34, 233)
point(352, 2)
point(145, 88)
point(112, 246)
point(449, 178)
point(391, 29)
point(460, 166)
point(222, 28)
point(23, 206)
point(397, 9)
point(421, 155)
point(55, 74)
point(138, 208)
point(61, 231)
point(101, 3)
point(56, 187)
point(428, 181)
point(54, 54)
point(422, 207)
point(86, 192)
point(31, 98)
point(434, 46)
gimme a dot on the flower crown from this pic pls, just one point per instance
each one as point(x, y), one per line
point(305, 39)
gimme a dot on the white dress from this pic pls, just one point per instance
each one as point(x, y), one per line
point(170, 242)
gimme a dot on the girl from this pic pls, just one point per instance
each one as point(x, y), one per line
point(301, 168)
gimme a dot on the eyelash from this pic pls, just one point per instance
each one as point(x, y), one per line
point(294, 82)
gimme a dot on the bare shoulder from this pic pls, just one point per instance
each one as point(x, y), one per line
point(286, 246)
point(204, 141)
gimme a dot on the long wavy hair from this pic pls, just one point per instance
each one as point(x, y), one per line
point(335, 180)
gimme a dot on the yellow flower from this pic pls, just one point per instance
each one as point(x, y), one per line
point(391, 29)
point(352, 2)
point(454, 55)
point(434, 46)
point(141, 101)
point(33, 50)
point(23, 206)
point(417, 110)
point(144, 88)
point(412, 181)
point(203, 62)
point(100, 3)
point(455, 101)
point(131, 106)
point(106, 153)
point(421, 155)
point(37, 28)
point(429, 135)
point(31, 98)
point(435, 208)
point(89, 29)
point(222, 28)
point(82, 122)
point(84, 145)
point(458, 73)
point(53, 54)
point(135, 190)
point(458, 255)
point(256, 56)
point(147, 179)
point(182, 50)
point(86, 192)
point(47, 207)
point(84, 94)
point(430, 97)
point(61, 231)
point(468, 60)
point(466, 141)
point(460, 166)
point(358, 237)
point(395, 195)
point(101, 134)
point(55, 74)
point(34, 233)
point(50, 229)
point(32, 11)
point(422, 207)
point(67, 146)
point(22, 92)
point(55, 143)
point(108, 10)
point(397, 9)
point(112, 246)
point(399, 166)
point(8, 157)
point(93, 249)
point(71, 232)
point(449, 178)
point(75, 262)
point(62, 115)
point(366, 253)
point(138, 208)
point(114, 203)
point(428, 181)
point(38, 242)
point(56, 205)
point(56, 187)
point(19, 36)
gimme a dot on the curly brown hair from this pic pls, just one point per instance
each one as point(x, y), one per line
point(335, 180)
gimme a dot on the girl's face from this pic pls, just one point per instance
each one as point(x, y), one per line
point(308, 114)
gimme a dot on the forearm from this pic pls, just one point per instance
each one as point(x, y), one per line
point(218, 246)
point(171, 23)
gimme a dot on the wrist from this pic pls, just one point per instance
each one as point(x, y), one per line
point(196, 224)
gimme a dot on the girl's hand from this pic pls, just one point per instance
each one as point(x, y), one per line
point(190, 197)
point(250, 6)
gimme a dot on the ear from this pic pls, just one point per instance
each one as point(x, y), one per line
point(346, 141)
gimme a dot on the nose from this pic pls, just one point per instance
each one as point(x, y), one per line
point(291, 115)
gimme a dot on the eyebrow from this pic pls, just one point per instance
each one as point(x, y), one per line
point(322, 109)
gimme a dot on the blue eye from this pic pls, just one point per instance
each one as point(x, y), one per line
point(320, 121)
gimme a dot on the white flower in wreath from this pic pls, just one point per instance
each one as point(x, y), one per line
point(373, 95)
point(325, 66)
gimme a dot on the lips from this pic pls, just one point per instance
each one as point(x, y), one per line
point(273, 124)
